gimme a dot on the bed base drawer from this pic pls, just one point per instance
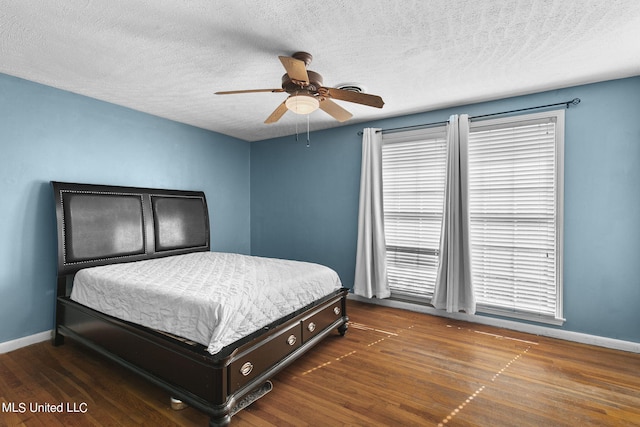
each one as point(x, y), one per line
point(257, 359)
point(259, 356)
point(321, 319)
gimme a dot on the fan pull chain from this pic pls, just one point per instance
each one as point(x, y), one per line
point(296, 129)
point(308, 139)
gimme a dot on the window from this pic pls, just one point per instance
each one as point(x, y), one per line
point(515, 177)
point(515, 192)
point(413, 170)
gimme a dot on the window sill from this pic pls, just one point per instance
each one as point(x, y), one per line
point(520, 315)
point(484, 309)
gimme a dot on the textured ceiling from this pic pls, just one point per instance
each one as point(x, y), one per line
point(168, 57)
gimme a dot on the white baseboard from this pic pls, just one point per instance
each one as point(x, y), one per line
point(7, 346)
point(612, 343)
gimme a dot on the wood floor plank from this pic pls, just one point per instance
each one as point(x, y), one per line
point(393, 367)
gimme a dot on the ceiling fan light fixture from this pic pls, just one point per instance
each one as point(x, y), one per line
point(302, 103)
point(307, 93)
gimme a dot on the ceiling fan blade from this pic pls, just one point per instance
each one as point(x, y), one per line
point(351, 96)
point(232, 92)
point(277, 113)
point(296, 69)
point(334, 110)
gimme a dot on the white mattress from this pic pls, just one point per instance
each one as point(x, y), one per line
point(208, 297)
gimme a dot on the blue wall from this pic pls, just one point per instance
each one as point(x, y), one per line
point(47, 134)
point(304, 201)
point(279, 198)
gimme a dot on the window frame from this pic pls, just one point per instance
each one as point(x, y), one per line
point(510, 121)
point(427, 135)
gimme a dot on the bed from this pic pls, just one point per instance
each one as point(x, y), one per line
point(129, 233)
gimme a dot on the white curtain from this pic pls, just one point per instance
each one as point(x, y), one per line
point(453, 288)
point(371, 263)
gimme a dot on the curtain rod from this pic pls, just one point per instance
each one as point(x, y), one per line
point(574, 101)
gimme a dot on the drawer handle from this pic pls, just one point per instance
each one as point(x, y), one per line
point(291, 340)
point(311, 327)
point(246, 369)
point(336, 310)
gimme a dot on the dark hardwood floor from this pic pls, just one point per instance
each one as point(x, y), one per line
point(393, 368)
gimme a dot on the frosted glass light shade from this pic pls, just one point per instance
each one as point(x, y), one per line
point(302, 104)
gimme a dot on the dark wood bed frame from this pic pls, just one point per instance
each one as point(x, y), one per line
point(99, 225)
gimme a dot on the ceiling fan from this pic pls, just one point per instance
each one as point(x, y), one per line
point(306, 93)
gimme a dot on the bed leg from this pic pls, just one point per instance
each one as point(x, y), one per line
point(177, 404)
point(57, 339)
point(220, 422)
point(343, 328)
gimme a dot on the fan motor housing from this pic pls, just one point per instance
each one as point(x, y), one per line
point(315, 83)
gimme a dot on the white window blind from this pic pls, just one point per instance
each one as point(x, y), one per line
point(413, 170)
point(515, 178)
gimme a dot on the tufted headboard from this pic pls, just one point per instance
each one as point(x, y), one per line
point(100, 224)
